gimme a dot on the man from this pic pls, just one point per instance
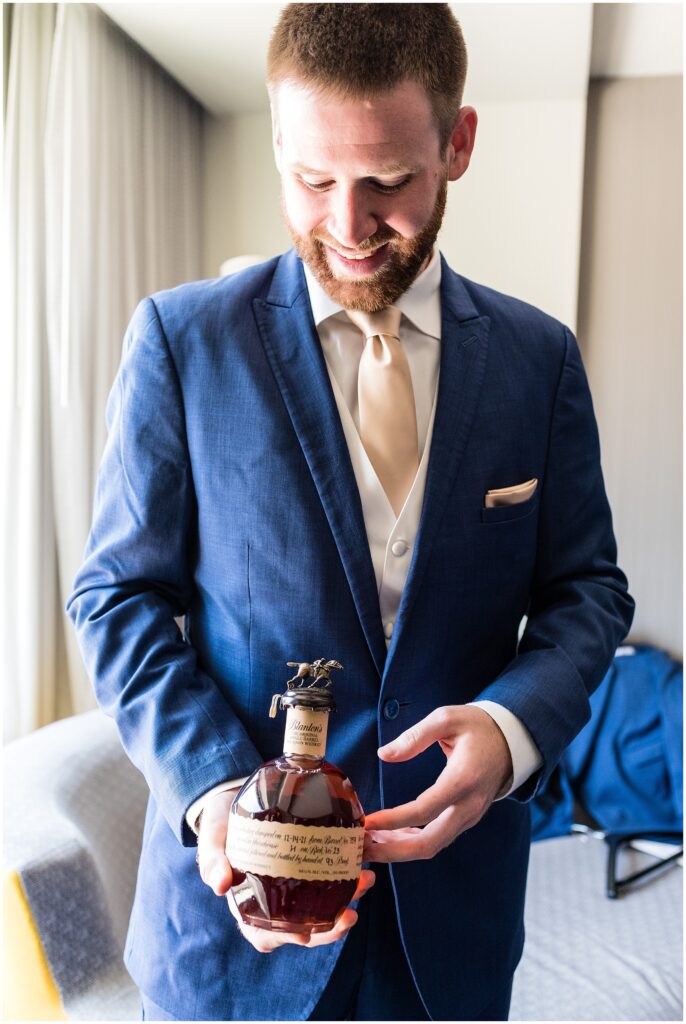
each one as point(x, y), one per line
point(350, 452)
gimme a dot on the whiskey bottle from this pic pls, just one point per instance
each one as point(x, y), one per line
point(296, 827)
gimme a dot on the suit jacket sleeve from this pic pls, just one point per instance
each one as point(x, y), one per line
point(175, 724)
point(580, 608)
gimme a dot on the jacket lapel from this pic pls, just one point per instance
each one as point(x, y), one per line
point(294, 351)
point(464, 350)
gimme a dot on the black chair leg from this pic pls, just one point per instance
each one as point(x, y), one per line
point(616, 842)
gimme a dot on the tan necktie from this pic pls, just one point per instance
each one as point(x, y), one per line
point(388, 418)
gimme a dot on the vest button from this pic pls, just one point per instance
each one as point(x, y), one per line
point(399, 547)
point(388, 629)
point(391, 709)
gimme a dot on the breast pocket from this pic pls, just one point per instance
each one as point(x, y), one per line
point(510, 513)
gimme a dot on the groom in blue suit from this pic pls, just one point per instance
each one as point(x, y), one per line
point(260, 483)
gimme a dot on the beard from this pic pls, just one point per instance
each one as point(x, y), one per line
point(404, 260)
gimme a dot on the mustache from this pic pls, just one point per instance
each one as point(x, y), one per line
point(369, 245)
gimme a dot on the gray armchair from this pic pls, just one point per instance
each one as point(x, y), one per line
point(74, 812)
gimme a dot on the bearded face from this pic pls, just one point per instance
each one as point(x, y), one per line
point(403, 259)
point(364, 188)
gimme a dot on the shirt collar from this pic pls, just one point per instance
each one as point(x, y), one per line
point(421, 302)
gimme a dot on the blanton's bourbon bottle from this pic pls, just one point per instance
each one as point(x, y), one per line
point(296, 828)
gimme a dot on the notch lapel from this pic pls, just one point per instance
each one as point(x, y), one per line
point(295, 354)
point(464, 351)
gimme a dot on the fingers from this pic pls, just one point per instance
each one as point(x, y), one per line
point(373, 841)
point(341, 928)
point(448, 789)
point(213, 865)
point(410, 815)
point(367, 880)
point(438, 725)
point(391, 846)
point(266, 942)
point(464, 781)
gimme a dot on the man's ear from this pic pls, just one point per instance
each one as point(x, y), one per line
point(461, 142)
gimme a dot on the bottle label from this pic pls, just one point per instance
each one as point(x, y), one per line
point(311, 852)
point(305, 732)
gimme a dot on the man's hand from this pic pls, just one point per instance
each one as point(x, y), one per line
point(213, 863)
point(215, 871)
point(478, 769)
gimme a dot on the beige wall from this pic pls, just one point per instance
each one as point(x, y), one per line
point(630, 331)
point(514, 220)
point(242, 207)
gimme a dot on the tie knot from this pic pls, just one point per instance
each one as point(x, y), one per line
point(386, 321)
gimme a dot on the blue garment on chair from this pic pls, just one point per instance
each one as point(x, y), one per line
point(626, 765)
point(552, 809)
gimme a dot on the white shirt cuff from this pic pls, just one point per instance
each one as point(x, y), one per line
point(193, 812)
point(526, 757)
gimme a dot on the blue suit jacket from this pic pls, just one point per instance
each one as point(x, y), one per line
point(226, 494)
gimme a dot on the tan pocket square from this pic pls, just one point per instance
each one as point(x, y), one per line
point(510, 495)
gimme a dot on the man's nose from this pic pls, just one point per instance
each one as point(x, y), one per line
point(352, 221)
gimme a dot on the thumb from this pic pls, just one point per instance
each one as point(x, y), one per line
point(418, 737)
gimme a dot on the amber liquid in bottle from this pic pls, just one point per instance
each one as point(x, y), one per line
point(296, 790)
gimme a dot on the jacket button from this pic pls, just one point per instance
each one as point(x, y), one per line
point(399, 547)
point(391, 709)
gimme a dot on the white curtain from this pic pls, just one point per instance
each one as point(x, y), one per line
point(102, 206)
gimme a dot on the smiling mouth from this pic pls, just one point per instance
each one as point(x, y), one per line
point(355, 256)
point(358, 263)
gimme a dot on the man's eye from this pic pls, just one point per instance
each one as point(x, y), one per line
point(390, 188)
point(316, 186)
point(321, 186)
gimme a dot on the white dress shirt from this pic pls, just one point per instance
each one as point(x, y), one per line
point(391, 539)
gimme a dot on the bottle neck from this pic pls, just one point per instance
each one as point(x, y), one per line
point(306, 732)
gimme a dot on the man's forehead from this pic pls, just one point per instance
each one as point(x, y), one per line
point(384, 147)
point(387, 134)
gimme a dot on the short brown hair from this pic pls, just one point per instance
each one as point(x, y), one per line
point(364, 48)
